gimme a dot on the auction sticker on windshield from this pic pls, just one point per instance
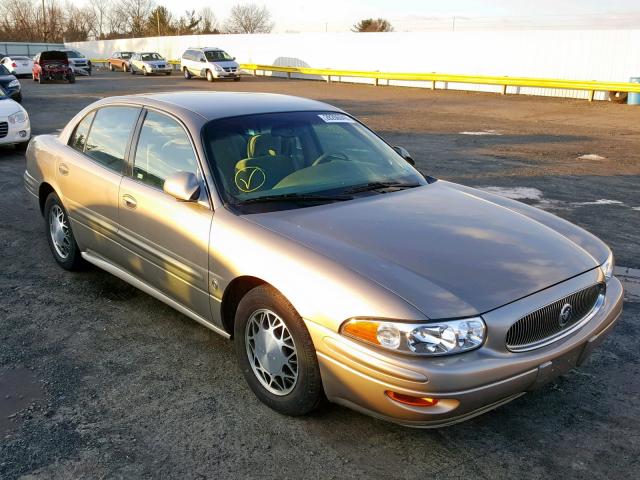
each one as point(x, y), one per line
point(336, 118)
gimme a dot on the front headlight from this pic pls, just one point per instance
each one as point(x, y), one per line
point(218, 68)
point(18, 117)
point(607, 267)
point(14, 83)
point(427, 339)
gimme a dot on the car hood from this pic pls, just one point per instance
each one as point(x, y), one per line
point(8, 107)
point(6, 79)
point(445, 251)
point(155, 63)
point(226, 63)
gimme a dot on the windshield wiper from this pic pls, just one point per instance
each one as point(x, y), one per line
point(295, 197)
point(371, 186)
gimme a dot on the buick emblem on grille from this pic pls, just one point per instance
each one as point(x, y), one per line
point(565, 314)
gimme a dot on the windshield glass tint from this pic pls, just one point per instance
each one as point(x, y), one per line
point(299, 153)
point(151, 56)
point(4, 71)
point(74, 54)
point(217, 55)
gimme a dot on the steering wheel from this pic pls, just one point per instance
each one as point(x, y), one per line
point(329, 157)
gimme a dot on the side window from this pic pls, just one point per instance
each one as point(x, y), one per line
point(109, 135)
point(163, 148)
point(78, 138)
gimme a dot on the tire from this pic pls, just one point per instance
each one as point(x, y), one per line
point(72, 79)
point(264, 305)
point(186, 73)
point(40, 80)
point(236, 79)
point(111, 67)
point(124, 68)
point(167, 73)
point(144, 71)
point(68, 257)
point(22, 147)
point(210, 77)
point(18, 98)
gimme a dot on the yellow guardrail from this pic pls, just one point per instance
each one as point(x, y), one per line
point(591, 86)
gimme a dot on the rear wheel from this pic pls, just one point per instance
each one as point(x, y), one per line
point(59, 234)
point(124, 68)
point(210, 77)
point(72, 79)
point(186, 73)
point(276, 353)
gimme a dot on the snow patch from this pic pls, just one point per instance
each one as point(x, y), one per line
point(602, 201)
point(591, 156)
point(482, 132)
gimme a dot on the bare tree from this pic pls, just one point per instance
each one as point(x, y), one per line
point(372, 25)
point(135, 13)
point(249, 18)
point(100, 10)
point(208, 21)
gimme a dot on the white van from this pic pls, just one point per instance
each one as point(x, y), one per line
point(211, 63)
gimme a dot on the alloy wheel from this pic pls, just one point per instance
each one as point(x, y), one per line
point(59, 230)
point(272, 352)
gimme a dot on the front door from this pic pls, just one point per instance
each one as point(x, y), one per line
point(166, 242)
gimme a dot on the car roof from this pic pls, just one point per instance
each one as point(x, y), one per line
point(212, 105)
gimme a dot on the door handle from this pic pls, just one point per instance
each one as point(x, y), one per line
point(63, 169)
point(129, 201)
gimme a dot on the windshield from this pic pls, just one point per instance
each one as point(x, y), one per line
point(146, 57)
point(74, 54)
point(126, 54)
point(299, 153)
point(217, 55)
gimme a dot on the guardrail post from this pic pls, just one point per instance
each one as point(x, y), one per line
point(504, 89)
point(376, 81)
point(433, 84)
point(591, 95)
point(328, 78)
point(255, 72)
point(289, 75)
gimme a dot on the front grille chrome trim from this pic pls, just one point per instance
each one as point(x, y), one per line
point(563, 333)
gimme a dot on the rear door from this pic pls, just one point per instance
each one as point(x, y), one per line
point(166, 242)
point(90, 174)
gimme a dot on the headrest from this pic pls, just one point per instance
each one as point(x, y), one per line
point(263, 145)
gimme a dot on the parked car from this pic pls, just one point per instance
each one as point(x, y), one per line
point(18, 65)
point(209, 63)
point(10, 85)
point(338, 269)
point(149, 63)
point(14, 123)
point(80, 64)
point(52, 65)
point(119, 61)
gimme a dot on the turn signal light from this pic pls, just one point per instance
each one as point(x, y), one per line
point(411, 400)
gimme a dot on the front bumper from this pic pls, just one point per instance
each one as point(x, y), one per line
point(166, 69)
point(17, 133)
point(466, 384)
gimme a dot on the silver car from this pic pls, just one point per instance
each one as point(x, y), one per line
point(338, 269)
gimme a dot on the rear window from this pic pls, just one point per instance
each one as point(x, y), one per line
point(53, 55)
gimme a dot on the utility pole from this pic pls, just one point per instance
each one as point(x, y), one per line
point(44, 24)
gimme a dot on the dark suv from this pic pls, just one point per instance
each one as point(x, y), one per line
point(10, 84)
point(52, 65)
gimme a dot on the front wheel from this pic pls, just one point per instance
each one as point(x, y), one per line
point(276, 353)
point(187, 74)
point(124, 67)
point(236, 79)
point(144, 71)
point(210, 77)
point(59, 234)
point(167, 73)
point(111, 67)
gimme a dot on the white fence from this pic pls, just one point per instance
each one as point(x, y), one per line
point(606, 55)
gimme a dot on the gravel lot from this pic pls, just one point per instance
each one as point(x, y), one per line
point(99, 380)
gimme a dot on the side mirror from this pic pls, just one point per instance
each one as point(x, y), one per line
point(183, 186)
point(233, 58)
point(203, 59)
point(404, 154)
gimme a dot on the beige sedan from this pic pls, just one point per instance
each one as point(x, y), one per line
point(340, 271)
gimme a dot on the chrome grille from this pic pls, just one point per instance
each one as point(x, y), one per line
point(4, 129)
point(544, 325)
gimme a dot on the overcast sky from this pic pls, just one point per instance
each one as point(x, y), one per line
point(336, 15)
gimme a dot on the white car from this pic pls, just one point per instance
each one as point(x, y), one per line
point(14, 123)
point(210, 63)
point(148, 63)
point(18, 65)
point(80, 64)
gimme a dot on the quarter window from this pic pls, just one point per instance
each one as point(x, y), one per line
point(78, 139)
point(163, 149)
point(109, 135)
